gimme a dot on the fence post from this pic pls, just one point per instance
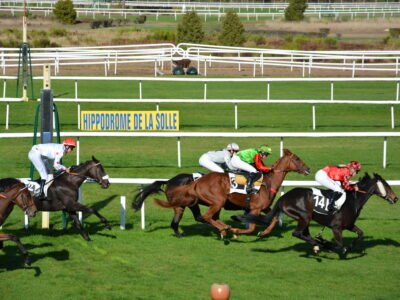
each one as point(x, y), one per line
point(236, 116)
point(123, 213)
point(178, 141)
point(384, 151)
point(142, 217)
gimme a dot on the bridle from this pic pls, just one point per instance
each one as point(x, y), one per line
point(25, 204)
point(105, 177)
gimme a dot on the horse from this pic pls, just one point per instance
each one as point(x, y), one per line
point(168, 186)
point(213, 190)
point(13, 191)
point(299, 204)
point(62, 194)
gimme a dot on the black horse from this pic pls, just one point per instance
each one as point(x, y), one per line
point(63, 192)
point(169, 186)
point(300, 203)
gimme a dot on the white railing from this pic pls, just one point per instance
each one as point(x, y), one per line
point(348, 63)
point(141, 99)
point(179, 135)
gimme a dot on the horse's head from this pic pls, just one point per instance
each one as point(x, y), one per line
point(19, 194)
point(291, 162)
point(96, 171)
point(384, 190)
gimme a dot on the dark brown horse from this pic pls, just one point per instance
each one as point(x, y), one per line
point(213, 190)
point(299, 204)
point(63, 192)
point(13, 191)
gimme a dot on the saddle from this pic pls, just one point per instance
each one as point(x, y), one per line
point(238, 182)
point(34, 186)
point(322, 198)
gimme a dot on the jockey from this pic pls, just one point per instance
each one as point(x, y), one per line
point(337, 178)
point(213, 160)
point(42, 155)
point(251, 160)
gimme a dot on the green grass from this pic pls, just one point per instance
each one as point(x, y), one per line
point(152, 264)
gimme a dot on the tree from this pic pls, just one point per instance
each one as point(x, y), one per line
point(190, 30)
point(65, 12)
point(232, 33)
point(295, 10)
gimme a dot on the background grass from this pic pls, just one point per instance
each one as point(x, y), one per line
point(152, 264)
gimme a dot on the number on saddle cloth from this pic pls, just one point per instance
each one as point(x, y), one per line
point(321, 200)
point(238, 183)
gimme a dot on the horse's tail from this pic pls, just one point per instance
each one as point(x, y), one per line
point(261, 219)
point(143, 193)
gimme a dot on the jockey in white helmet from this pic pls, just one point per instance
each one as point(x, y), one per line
point(213, 160)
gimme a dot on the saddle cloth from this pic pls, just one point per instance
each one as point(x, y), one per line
point(34, 186)
point(321, 200)
point(238, 183)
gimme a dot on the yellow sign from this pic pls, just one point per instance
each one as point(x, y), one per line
point(130, 120)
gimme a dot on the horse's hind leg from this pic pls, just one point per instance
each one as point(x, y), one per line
point(178, 213)
point(15, 239)
point(78, 225)
point(302, 232)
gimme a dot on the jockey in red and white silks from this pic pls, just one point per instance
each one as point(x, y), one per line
point(337, 178)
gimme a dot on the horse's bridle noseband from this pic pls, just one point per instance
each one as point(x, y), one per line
point(105, 177)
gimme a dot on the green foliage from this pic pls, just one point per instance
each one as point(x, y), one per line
point(42, 42)
point(232, 33)
point(190, 30)
point(141, 19)
point(163, 35)
point(394, 32)
point(295, 10)
point(65, 12)
point(58, 32)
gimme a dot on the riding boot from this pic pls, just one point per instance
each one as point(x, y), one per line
point(252, 177)
point(41, 195)
point(335, 196)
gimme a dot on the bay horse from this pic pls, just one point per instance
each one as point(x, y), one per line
point(213, 190)
point(299, 203)
point(14, 192)
point(168, 186)
point(63, 192)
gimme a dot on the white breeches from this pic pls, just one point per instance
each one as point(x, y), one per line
point(207, 163)
point(37, 161)
point(331, 184)
point(237, 163)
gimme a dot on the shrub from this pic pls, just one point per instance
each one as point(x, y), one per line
point(42, 42)
point(58, 32)
point(64, 11)
point(232, 33)
point(394, 32)
point(295, 10)
point(95, 24)
point(141, 19)
point(190, 30)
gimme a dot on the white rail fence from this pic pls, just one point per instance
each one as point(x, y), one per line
point(206, 81)
point(180, 135)
point(349, 63)
point(208, 9)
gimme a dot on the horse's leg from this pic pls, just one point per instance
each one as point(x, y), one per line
point(15, 239)
point(78, 225)
point(302, 232)
point(360, 236)
point(337, 233)
point(178, 213)
point(85, 209)
point(209, 218)
point(266, 231)
point(195, 209)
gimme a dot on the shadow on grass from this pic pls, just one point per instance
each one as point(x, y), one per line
point(358, 251)
point(12, 260)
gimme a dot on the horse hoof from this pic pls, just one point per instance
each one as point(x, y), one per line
point(235, 236)
point(316, 249)
point(27, 261)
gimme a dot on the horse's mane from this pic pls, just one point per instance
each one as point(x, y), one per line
point(6, 183)
point(365, 180)
point(286, 152)
point(74, 167)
